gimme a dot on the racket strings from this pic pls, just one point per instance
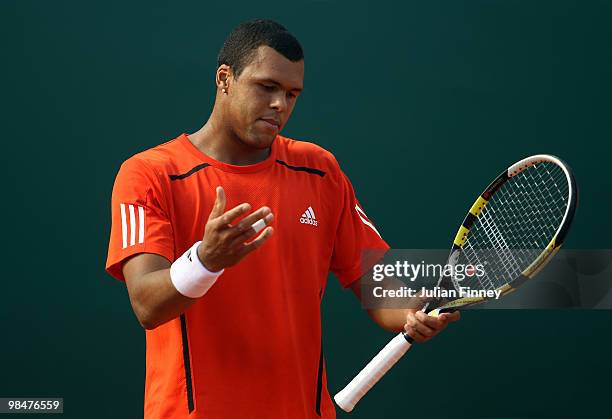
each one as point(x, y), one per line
point(516, 225)
point(502, 249)
point(523, 219)
point(502, 253)
point(545, 208)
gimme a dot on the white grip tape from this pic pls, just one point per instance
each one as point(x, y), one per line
point(189, 276)
point(376, 368)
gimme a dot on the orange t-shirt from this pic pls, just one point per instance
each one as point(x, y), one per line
point(251, 346)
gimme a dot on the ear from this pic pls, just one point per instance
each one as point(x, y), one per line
point(223, 77)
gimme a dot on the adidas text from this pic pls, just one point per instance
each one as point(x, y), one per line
point(308, 221)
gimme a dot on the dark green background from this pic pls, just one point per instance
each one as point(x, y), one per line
point(422, 103)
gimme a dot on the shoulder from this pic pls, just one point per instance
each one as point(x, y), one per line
point(157, 161)
point(307, 154)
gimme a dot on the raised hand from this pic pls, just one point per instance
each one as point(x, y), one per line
point(225, 244)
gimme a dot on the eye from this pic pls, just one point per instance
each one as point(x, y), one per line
point(268, 87)
point(291, 95)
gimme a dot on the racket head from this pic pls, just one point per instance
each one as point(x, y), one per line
point(517, 224)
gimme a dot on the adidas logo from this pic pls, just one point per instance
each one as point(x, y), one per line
point(309, 217)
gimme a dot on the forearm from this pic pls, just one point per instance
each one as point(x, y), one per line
point(155, 300)
point(390, 319)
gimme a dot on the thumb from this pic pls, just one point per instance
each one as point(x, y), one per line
point(219, 207)
point(450, 317)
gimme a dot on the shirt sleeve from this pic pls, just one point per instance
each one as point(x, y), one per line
point(358, 244)
point(140, 223)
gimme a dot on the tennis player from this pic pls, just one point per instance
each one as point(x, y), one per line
point(225, 238)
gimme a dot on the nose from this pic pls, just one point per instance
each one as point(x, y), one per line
point(279, 102)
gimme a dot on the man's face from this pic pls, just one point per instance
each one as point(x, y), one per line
point(261, 99)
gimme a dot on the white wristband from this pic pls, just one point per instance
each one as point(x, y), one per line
point(189, 276)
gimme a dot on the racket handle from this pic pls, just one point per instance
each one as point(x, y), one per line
point(348, 397)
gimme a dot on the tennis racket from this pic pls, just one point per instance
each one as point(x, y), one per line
point(518, 223)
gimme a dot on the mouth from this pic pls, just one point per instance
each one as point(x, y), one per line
point(271, 122)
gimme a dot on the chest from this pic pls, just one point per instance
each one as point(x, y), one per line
point(306, 206)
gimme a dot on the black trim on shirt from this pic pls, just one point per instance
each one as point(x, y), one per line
point(189, 173)
point(187, 363)
point(319, 383)
point(302, 169)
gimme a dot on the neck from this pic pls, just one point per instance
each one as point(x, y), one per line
point(216, 141)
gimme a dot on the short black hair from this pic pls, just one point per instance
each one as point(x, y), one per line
point(242, 42)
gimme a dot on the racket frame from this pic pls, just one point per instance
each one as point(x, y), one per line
point(481, 202)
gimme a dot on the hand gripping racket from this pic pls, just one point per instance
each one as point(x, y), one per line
point(517, 224)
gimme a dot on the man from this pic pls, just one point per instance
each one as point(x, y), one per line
point(232, 323)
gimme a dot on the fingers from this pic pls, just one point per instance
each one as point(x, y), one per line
point(219, 206)
point(249, 226)
point(416, 327)
point(430, 321)
point(414, 334)
point(451, 317)
point(246, 225)
point(422, 327)
point(255, 244)
point(223, 244)
point(225, 219)
point(251, 229)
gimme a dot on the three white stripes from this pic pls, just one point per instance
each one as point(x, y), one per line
point(133, 226)
point(309, 213)
point(364, 219)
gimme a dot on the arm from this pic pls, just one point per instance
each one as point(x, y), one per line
point(357, 233)
point(409, 320)
point(390, 319)
point(155, 300)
